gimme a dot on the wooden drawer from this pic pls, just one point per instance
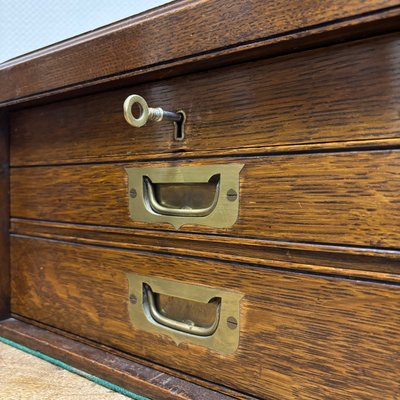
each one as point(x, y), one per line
point(307, 105)
point(339, 198)
point(301, 336)
point(331, 95)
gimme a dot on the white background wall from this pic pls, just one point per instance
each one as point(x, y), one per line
point(27, 25)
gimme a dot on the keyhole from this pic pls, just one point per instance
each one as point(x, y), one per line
point(179, 133)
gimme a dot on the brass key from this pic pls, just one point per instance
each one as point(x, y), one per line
point(148, 113)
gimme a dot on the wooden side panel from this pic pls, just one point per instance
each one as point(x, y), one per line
point(301, 336)
point(347, 198)
point(4, 217)
point(343, 93)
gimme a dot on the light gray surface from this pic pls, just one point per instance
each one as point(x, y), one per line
point(25, 377)
point(27, 25)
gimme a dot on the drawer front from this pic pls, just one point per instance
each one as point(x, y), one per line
point(338, 198)
point(340, 93)
point(301, 336)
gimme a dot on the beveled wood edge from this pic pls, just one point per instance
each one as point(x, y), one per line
point(343, 261)
point(109, 364)
point(4, 217)
point(147, 15)
point(302, 148)
point(331, 32)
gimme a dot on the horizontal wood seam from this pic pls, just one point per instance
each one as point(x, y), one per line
point(389, 249)
point(300, 149)
point(239, 263)
point(205, 237)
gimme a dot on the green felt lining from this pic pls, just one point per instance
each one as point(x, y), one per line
point(74, 370)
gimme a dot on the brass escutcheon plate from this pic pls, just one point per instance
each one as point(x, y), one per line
point(198, 195)
point(224, 337)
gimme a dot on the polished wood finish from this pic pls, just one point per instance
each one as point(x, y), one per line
point(144, 42)
point(355, 262)
point(338, 198)
point(339, 31)
point(315, 250)
point(342, 93)
point(312, 336)
point(4, 217)
point(131, 375)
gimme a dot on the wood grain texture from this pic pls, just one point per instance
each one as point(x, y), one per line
point(201, 383)
point(339, 31)
point(4, 217)
point(130, 375)
point(300, 334)
point(352, 262)
point(200, 27)
point(342, 93)
point(338, 198)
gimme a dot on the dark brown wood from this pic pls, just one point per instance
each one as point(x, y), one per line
point(342, 93)
point(302, 336)
point(131, 375)
point(339, 31)
point(4, 217)
point(346, 198)
point(315, 251)
point(200, 28)
point(213, 387)
point(353, 262)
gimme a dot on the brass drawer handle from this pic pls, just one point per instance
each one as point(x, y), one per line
point(189, 313)
point(161, 209)
point(206, 195)
point(149, 303)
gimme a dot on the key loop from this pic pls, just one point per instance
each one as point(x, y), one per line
point(147, 113)
point(144, 110)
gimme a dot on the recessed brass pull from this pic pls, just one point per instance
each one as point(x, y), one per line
point(188, 313)
point(161, 209)
point(202, 195)
point(188, 327)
